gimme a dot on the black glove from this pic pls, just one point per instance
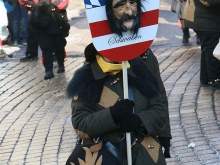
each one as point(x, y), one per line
point(130, 124)
point(122, 109)
point(165, 142)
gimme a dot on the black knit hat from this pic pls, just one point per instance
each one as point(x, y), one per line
point(90, 52)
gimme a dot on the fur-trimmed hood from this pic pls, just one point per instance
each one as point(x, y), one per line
point(89, 89)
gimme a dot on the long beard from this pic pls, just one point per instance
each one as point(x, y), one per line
point(118, 26)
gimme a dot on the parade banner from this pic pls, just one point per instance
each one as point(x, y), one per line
point(129, 46)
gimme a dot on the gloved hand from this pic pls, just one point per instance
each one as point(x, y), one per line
point(122, 109)
point(130, 124)
point(165, 142)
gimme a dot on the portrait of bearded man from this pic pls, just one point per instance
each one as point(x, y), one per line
point(123, 15)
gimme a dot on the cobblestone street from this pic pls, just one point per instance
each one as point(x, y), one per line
point(35, 115)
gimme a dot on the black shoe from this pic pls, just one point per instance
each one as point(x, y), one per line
point(49, 75)
point(60, 69)
point(216, 85)
point(185, 40)
point(28, 58)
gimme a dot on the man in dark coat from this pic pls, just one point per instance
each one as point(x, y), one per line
point(99, 110)
point(204, 17)
point(52, 26)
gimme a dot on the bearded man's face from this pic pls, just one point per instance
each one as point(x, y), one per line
point(125, 11)
point(123, 15)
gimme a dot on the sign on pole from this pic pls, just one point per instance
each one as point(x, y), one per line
point(129, 46)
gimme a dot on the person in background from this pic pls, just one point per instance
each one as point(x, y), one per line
point(179, 9)
point(32, 42)
point(3, 23)
point(204, 17)
point(186, 34)
point(52, 27)
point(20, 24)
point(9, 8)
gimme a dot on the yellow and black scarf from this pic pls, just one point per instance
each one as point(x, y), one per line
point(109, 67)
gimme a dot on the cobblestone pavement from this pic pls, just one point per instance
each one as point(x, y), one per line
point(35, 124)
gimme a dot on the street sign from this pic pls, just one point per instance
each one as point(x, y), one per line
point(129, 46)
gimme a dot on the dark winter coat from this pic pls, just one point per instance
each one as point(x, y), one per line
point(202, 15)
point(93, 95)
point(152, 64)
point(46, 18)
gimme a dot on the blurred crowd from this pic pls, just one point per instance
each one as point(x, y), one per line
point(36, 23)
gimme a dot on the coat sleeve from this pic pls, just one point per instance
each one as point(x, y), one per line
point(154, 118)
point(89, 123)
point(152, 64)
point(63, 21)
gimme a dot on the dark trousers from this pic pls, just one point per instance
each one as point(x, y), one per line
point(210, 66)
point(50, 43)
point(32, 43)
point(20, 15)
point(10, 24)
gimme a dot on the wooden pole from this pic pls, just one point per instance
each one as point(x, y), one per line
point(125, 87)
